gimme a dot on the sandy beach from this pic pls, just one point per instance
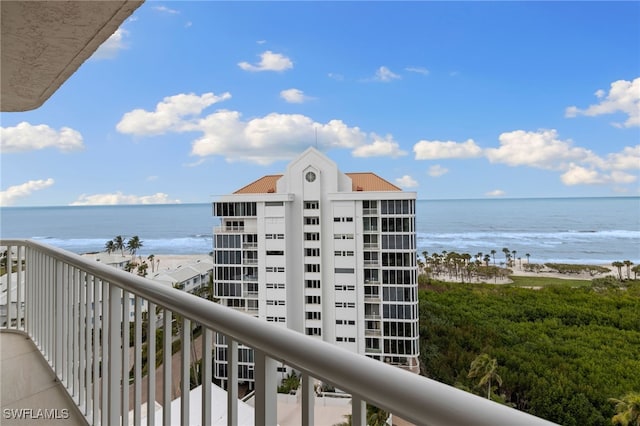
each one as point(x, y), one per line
point(168, 262)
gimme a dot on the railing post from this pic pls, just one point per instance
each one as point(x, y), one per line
point(166, 367)
point(185, 373)
point(137, 364)
point(308, 400)
point(58, 309)
point(9, 269)
point(104, 370)
point(232, 380)
point(266, 412)
point(126, 315)
point(358, 411)
point(206, 376)
point(151, 365)
point(114, 372)
point(97, 345)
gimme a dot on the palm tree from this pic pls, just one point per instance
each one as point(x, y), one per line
point(507, 255)
point(618, 265)
point(150, 258)
point(628, 264)
point(527, 256)
point(133, 245)
point(627, 409)
point(118, 244)
point(493, 254)
point(109, 247)
point(486, 368)
point(636, 271)
point(514, 258)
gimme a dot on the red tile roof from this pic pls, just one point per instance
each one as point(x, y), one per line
point(359, 182)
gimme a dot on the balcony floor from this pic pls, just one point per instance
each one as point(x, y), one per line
point(27, 382)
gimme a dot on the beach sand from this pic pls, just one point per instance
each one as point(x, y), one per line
point(166, 262)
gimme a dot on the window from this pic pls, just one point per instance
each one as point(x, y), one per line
point(343, 253)
point(345, 287)
point(344, 270)
point(275, 302)
point(312, 283)
point(275, 253)
point(343, 219)
point(311, 267)
point(345, 322)
point(313, 331)
point(312, 236)
point(274, 203)
point(313, 300)
point(370, 224)
point(275, 285)
point(343, 236)
point(312, 252)
point(312, 205)
point(312, 220)
point(313, 315)
point(234, 209)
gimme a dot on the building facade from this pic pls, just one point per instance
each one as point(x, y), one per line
point(327, 254)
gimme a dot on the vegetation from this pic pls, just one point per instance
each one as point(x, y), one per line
point(627, 409)
point(289, 383)
point(562, 353)
point(375, 417)
point(568, 268)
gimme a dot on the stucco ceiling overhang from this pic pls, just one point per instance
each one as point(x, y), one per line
point(44, 42)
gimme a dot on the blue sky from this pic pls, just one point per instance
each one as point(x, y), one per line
point(191, 100)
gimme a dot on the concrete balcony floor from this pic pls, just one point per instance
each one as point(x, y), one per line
point(28, 387)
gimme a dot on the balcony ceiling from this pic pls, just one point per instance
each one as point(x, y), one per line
point(44, 43)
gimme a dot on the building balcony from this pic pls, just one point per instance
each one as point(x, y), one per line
point(73, 320)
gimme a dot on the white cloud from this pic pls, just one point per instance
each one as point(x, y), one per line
point(434, 150)
point(114, 44)
point(269, 61)
point(9, 196)
point(28, 137)
point(385, 75)
point(495, 193)
point(168, 115)
point(273, 137)
point(294, 96)
point(386, 147)
point(623, 96)
point(419, 70)
point(334, 76)
point(406, 181)
point(542, 149)
point(165, 9)
point(437, 170)
point(628, 159)
point(120, 198)
point(579, 175)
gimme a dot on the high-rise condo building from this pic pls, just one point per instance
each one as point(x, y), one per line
point(325, 253)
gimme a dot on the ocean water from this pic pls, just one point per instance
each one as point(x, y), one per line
point(567, 230)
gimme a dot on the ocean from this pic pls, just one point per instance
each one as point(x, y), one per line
point(566, 230)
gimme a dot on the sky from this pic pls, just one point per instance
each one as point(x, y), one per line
point(188, 101)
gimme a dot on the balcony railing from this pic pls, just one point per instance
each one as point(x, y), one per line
point(73, 313)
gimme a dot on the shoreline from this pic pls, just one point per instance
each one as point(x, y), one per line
point(166, 262)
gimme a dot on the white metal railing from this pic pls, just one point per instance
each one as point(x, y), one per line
point(74, 310)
